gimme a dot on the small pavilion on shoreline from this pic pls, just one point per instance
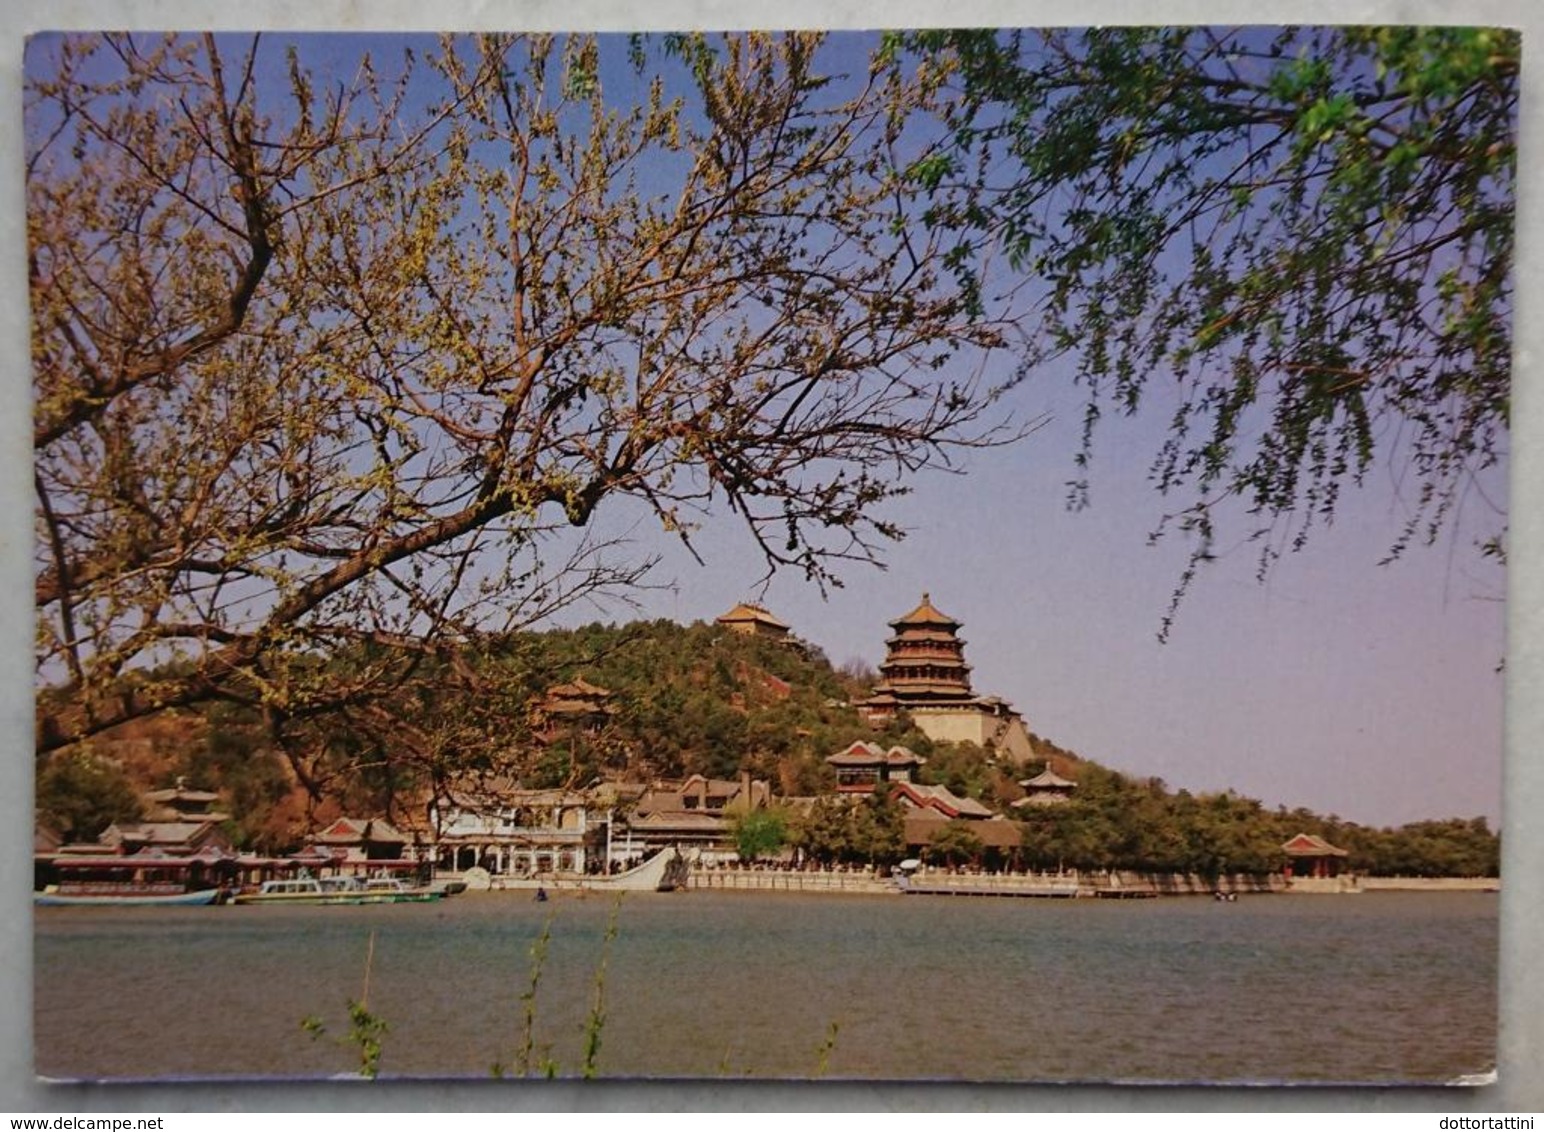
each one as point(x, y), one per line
point(1309, 855)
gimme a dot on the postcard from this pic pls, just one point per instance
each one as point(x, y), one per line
point(946, 555)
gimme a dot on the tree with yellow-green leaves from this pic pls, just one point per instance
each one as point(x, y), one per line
point(332, 375)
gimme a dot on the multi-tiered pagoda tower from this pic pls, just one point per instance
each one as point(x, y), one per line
point(925, 676)
point(925, 662)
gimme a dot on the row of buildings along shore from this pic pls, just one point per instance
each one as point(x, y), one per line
point(508, 831)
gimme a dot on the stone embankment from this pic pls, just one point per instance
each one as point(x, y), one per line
point(1109, 885)
point(1430, 884)
point(1181, 884)
point(1068, 884)
point(835, 881)
point(1349, 884)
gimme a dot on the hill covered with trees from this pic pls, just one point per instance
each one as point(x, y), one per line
point(682, 700)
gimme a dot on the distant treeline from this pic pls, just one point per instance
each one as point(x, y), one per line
point(1116, 821)
point(684, 700)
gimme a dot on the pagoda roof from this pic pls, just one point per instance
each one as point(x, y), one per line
point(940, 798)
point(181, 793)
point(922, 825)
point(684, 821)
point(578, 688)
point(926, 614)
point(749, 611)
point(1312, 845)
point(186, 831)
point(954, 693)
point(179, 803)
point(906, 659)
point(347, 831)
point(917, 635)
point(999, 832)
point(863, 753)
point(727, 793)
point(1048, 779)
point(931, 660)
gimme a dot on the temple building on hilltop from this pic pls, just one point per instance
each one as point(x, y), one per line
point(579, 707)
point(753, 621)
point(925, 676)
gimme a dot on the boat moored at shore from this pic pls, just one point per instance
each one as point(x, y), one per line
point(125, 896)
point(339, 890)
point(145, 878)
point(667, 871)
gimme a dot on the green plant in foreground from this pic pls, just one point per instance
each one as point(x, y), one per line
point(596, 1022)
point(823, 1051)
point(822, 1054)
point(365, 1030)
point(527, 1047)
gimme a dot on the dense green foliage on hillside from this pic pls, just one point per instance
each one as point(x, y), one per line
point(1114, 821)
point(79, 796)
point(686, 700)
point(700, 699)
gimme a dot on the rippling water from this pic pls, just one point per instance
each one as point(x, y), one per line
point(1386, 987)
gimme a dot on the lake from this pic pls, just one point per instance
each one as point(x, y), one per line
point(1388, 987)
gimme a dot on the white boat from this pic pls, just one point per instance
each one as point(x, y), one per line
point(338, 890)
point(666, 871)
